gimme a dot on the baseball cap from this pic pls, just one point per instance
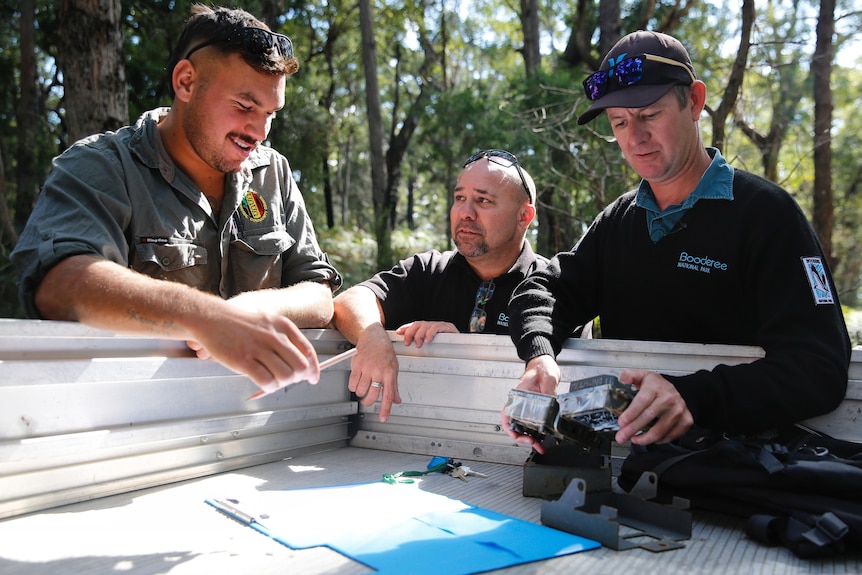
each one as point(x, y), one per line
point(640, 68)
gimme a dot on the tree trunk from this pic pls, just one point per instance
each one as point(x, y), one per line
point(7, 228)
point(28, 119)
point(821, 69)
point(610, 25)
point(399, 140)
point(345, 190)
point(411, 203)
point(530, 27)
point(327, 190)
point(734, 80)
point(375, 137)
point(90, 54)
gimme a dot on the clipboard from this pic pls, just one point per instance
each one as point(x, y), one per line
point(398, 528)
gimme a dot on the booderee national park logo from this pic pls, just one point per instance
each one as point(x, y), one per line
point(699, 263)
point(253, 207)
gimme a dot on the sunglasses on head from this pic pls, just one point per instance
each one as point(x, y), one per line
point(479, 316)
point(255, 41)
point(502, 158)
point(629, 71)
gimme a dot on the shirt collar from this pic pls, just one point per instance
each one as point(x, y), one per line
point(715, 184)
point(147, 144)
point(525, 263)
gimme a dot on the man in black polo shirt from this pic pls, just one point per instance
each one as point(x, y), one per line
point(465, 290)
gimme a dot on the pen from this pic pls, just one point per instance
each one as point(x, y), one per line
point(232, 511)
point(323, 365)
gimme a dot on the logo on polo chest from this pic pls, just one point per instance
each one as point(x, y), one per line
point(253, 207)
point(699, 263)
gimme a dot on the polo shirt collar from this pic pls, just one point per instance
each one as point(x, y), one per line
point(715, 184)
point(523, 265)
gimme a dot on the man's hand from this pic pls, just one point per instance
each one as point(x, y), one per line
point(541, 375)
point(658, 410)
point(375, 363)
point(422, 332)
point(268, 348)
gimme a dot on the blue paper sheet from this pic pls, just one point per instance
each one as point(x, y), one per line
point(398, 528)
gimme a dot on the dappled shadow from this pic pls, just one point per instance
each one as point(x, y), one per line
point(137, 564)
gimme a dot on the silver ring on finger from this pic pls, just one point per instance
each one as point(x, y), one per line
point(376, 384)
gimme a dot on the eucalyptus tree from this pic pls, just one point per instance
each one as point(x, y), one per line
point(847, 183)
point(776, 85)
point(90, 56)
point(823, 209)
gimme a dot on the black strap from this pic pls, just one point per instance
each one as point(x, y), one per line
point(821, 536)
point(769, 456)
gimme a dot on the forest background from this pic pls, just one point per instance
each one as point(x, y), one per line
point(393, 95)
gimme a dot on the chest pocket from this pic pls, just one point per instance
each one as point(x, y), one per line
point(271, 243)
point(168, 257)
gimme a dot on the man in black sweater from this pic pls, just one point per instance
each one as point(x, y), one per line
point(700, 252)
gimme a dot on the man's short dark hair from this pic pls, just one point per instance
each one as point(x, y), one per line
point(207, 24)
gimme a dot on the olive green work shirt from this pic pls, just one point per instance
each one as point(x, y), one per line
point(120, 196)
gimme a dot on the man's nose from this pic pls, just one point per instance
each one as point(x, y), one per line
point(258, 127)
point(466, 211)
point(641, 131)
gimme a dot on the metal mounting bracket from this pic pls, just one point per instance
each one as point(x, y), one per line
point(618, 520)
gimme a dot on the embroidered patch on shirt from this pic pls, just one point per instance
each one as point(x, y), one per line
point(253, 207)
point(820, 288)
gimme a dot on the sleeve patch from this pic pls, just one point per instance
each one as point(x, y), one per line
point(820, 287)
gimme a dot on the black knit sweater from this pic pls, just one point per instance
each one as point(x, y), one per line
point(732, 272)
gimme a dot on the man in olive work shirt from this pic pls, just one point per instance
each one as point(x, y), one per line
point(185, 225)
point(466, 290)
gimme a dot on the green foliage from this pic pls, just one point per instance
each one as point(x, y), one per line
point(853, 318)
point(352, 251)
point(479, 97)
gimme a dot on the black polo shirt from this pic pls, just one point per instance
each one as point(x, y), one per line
point(435, 286)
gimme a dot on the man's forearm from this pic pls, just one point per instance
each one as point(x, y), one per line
point(355, 311)
point(307, 304)
point(104, 294)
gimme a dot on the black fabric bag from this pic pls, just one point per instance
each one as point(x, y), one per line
point(798, 488)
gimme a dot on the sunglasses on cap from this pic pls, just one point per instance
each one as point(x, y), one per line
point(254, 40)
point(630, 71)
point(502, 158)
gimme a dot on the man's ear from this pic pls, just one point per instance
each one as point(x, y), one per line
point(183, 79)
point(697, 99)
point(527, 213)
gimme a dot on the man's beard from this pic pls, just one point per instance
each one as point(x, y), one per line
point(471, 249)
point(194, 125)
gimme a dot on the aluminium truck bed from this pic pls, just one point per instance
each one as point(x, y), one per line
point(110, 444)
